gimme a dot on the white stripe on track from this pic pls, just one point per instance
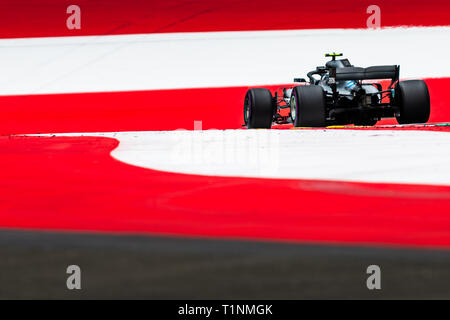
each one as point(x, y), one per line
point(390, 156)
point(379, 156)
point(210, 59)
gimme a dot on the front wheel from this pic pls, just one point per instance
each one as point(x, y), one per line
point(413, 99)
point(258, 108)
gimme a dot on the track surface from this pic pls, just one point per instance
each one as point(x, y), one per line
point(113, 266)
point(29, 18)
point(103, 194)
point(144, 233)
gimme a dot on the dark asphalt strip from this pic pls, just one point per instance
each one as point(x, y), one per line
point(33, 265)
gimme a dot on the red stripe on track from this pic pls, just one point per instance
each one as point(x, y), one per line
point(219, 108)
point(47, 18)
point(73, 184)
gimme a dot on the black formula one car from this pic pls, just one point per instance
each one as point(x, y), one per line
point(339, 94)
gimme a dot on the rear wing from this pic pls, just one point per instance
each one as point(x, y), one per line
point(370, 73)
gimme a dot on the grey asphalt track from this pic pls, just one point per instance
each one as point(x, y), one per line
point(33, 265)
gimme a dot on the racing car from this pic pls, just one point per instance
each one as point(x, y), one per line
point(340, 94)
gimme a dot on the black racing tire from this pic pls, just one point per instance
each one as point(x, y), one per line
point(258, 109)
point(413, 99)
point(308, 107)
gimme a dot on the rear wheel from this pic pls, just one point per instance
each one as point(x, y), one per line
point(413, 99)
point(258, 108)
point(308, 108)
